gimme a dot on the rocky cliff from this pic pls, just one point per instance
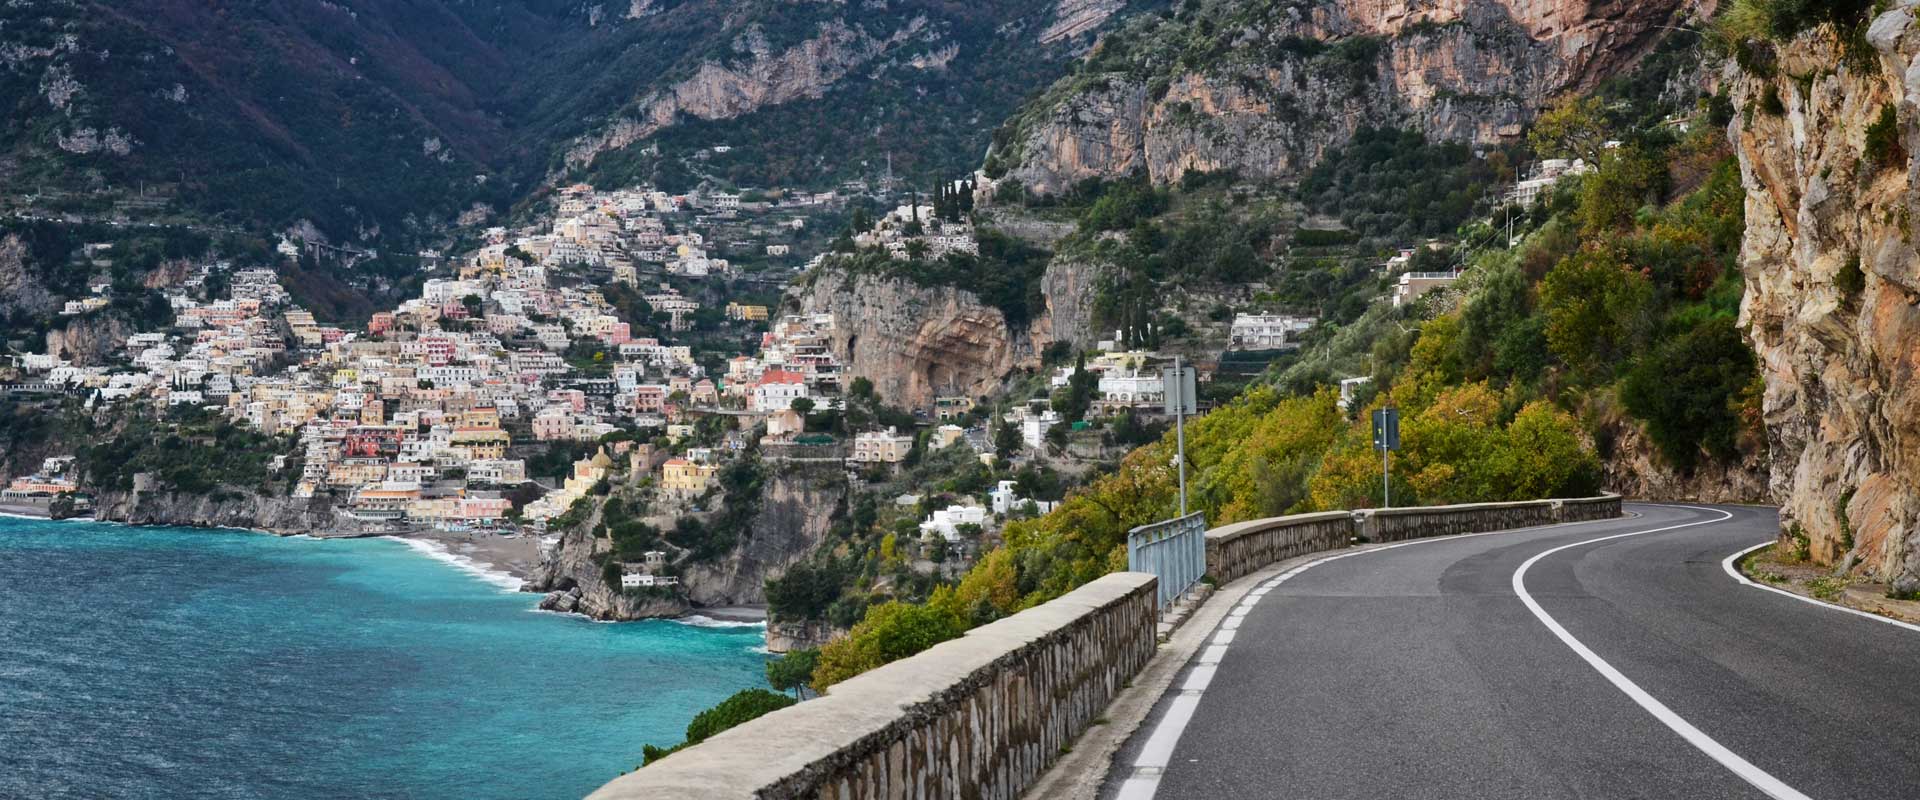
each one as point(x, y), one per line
point(717, 91)
point(225, 509)
point(1832, 304)
point(796, 511)
point(796, 508)
point(88, 340)
point(1634, 468)
point(916, 342)
point(1268, 88)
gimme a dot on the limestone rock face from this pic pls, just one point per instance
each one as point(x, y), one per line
point(89, 340)
point(1302, 80)
point(797, 505)
point(20, 290)
point(786, 637)
point(1832, 303)
point(724, 91)
point(231, 509)
point(796, 512)
point(1075, 17)
point(916, 342)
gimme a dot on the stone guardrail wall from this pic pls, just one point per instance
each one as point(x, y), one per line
point(980, 716)
point(1242, 548)
point(1245, 547)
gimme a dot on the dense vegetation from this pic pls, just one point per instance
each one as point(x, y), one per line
point(1397, 185)
point(188, 450)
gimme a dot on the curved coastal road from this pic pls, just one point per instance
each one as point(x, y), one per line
point(1632, 667)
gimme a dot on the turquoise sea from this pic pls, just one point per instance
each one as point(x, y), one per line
point(173, 663)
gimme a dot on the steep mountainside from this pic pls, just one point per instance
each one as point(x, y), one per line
point(1267, 87)
point(1832, 286)
point(371, 118)
point(348, 115)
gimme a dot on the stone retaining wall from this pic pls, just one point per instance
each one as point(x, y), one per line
point(1583, 509)
point(1246, 547)
point(977, 717)
point(1400, 524)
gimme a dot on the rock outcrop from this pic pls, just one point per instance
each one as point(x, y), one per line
point(88, 340)
point(228, 508)
point(1283, 85)
point(1832, 304)
point(786, 637)
point(796, 509)
point(21, 292)
point(1633, 468)
point(916, 342)
point(719, 91)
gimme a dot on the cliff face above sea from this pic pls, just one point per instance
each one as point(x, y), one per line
point(1266, 89)
point(230, 509)
point(795, 511)
point(1832, 304)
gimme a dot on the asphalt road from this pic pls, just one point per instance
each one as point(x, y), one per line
point(1420, 672)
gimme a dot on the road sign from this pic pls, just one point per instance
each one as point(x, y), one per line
point(1386, 439)
point(1180, 390)
point(1386, 429)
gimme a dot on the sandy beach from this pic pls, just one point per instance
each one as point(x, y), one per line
point(507, 561)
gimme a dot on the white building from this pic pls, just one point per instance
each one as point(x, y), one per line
point(1033, 429)
point(1269, 331)
point(1005, 500)
point(946, 522)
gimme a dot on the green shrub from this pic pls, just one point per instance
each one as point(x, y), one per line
point(1883, 148)
point(1685, 391)
point(1771, 103)
point(744, 705)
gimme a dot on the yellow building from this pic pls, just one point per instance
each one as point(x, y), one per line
point(745, 313)
point(481, 443)
point(682, 477)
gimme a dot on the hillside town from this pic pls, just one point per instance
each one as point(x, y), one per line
point(431, 416)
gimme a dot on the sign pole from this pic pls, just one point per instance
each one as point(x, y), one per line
point(1386, 436)
point(1179, 429)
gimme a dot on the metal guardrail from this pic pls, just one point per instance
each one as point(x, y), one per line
point(1174, 551)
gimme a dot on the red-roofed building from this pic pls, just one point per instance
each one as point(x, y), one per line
point(776, 390)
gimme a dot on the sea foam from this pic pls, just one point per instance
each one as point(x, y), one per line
point(701, 621)
point(439, 552)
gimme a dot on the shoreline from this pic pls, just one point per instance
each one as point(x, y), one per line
point(506, 563)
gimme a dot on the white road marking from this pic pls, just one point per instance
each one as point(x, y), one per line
point(1728, 565)
point(1765, 782)
point(1144, 782)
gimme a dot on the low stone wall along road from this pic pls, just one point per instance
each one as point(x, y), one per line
point(1606, 659)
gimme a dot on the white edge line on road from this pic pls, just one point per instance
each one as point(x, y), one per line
point(1728, 565)
point(1144, 782)
point(1765, 782)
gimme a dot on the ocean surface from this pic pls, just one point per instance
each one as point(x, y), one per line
point(173, 663)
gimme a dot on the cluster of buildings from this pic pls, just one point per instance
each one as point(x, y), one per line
point(908, 228)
